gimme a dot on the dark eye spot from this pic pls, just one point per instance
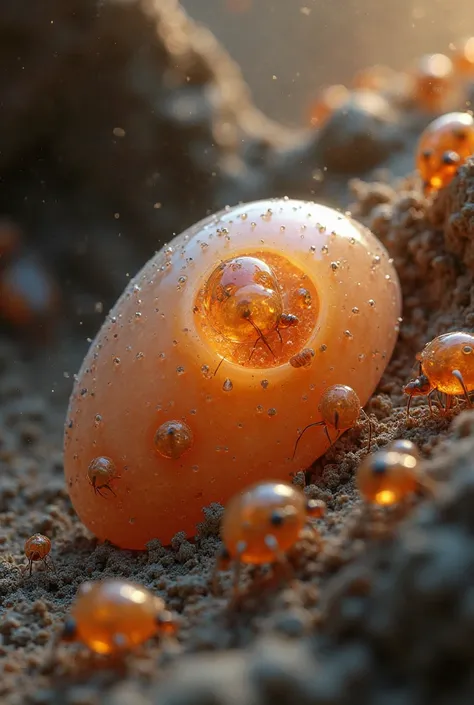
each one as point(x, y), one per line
point(277, 518)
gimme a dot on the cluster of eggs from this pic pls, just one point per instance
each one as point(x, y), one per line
point(436, 83)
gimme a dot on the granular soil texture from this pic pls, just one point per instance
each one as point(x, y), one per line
point(383, 614)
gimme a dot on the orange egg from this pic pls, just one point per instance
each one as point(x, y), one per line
point(195, 345)
point(443, 146)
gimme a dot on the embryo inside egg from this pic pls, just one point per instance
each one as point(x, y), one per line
point(257, 311)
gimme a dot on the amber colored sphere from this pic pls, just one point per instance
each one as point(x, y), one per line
point(173, 438)
point(340, 407)
point(101, 471)
point(386, 477)
point(242, 295)
point(443, 146)
point(37, 547)
point(263, 513)
point(434, 81)
point(448, 352)
point(112, 616)
point(156, 359)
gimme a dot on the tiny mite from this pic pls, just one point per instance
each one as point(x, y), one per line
point(115, 616)
point(38, 548)
point(261, 524)
point(340, 409)
point(446, 366)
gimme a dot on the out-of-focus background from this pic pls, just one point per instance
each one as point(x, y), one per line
point(288, 48)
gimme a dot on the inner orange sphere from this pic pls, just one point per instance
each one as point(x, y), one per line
point(240, 310)
point(115, 615)
point(263, 521)
point(445, 144)
point(387, 477)
point(448, 352)
point(161, 358)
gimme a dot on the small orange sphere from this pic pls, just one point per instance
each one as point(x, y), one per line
point(37, 548)
point(340, 407)
point(113, 616)
point(328, 101)
point(444, 145)
point(387, 477)
point(156, 360)
point(263, 521)
point(463, 57)
point(241, 297)
point(445, 355)
point(434, 80)
point(173, 438)
point(101, 472)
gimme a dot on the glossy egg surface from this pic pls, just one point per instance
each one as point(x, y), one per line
point(166, 354)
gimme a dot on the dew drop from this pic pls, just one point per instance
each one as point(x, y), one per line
point(206, 372)
point(227, 386)
point(180, 370)
point(272, 412)
point(116, 361)
point(264, 383)
point(355, 309)
point(259, 409)
point(371, 302)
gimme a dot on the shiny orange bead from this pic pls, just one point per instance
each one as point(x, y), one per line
point(37, 548)
point(448, 363)
point(175, 349)
point(263, 521)
point(386, 477)
point(101, 472)
point(444, 145)
point(328, 101)
point(113, 616)
point(340, 409)
point(434, 80)
point(173, 438)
